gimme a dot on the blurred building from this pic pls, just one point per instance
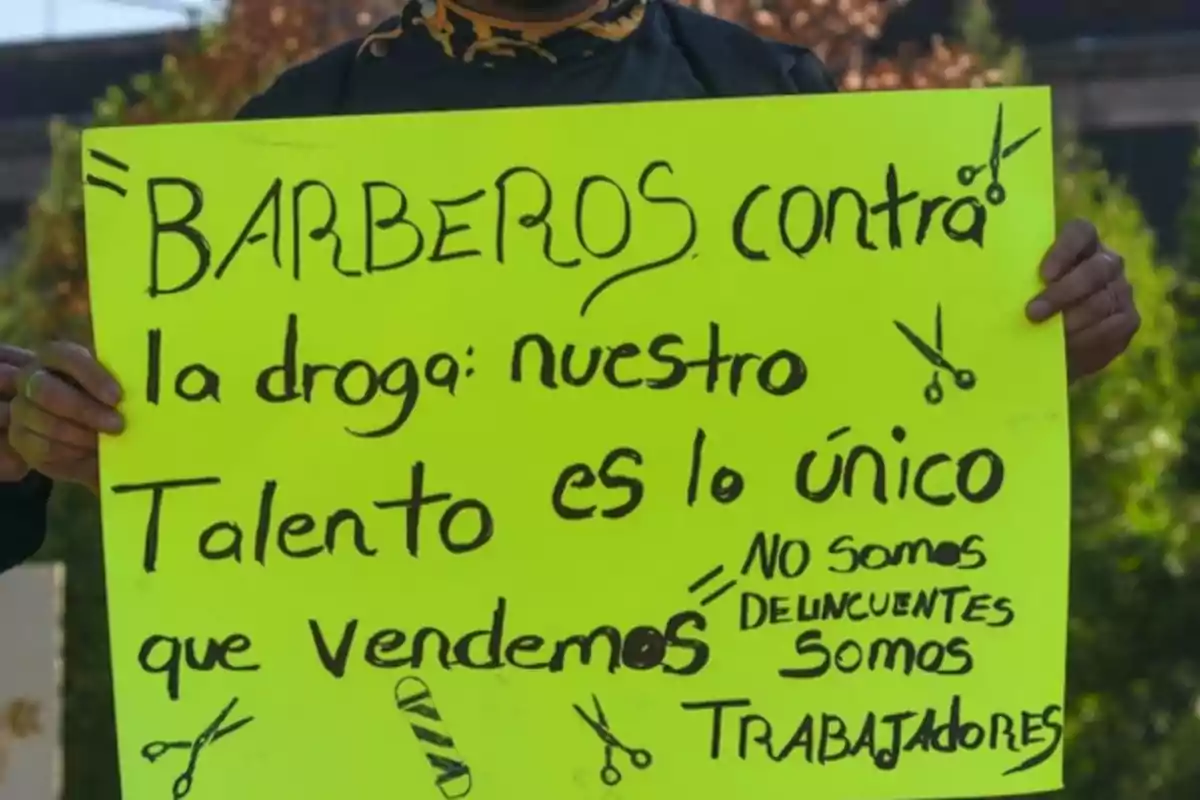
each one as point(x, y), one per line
point(1126, 77)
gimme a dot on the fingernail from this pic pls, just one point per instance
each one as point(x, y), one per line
point(111, 394)
point(1038, 310)
point(112, 422)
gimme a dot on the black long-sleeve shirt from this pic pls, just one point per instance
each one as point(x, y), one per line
point(22, 519)
point(439, 56)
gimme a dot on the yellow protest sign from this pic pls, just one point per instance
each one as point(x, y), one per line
point(669, 450)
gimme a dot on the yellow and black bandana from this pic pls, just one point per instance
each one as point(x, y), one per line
point(469, 36)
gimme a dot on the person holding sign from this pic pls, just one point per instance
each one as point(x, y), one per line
point(476, 54)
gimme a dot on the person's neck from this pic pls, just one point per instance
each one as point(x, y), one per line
point(540, 11)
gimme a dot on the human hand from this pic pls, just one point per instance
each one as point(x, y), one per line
point(64, 399)
point(12, 466)
point(1085, 282)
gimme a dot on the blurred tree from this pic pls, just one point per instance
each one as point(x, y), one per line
point(981, 37)
point(1188, 298)
point(1134, 668)
point(841, 32)
point(1135, 603)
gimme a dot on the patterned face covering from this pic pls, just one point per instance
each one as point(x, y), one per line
point(473, 37)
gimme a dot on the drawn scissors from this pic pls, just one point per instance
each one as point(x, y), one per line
point(214, 732)
point(963, 378)
point(609, 774)
point(967, 174)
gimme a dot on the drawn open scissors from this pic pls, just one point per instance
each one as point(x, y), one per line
point(967, 174)
point(609, 774)
point(214, 732)
point(963, 378)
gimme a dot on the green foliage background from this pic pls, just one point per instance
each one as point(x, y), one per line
point(1134, 685)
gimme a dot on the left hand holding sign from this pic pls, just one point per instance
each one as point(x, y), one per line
point(1086, 283)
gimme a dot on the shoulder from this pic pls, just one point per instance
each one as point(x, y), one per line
point(728, 46)
point(805, 68)
point(310, 89)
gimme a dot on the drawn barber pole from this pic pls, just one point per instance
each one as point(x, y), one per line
point(451, 774)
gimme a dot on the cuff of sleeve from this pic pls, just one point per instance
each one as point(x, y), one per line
point(22, 518)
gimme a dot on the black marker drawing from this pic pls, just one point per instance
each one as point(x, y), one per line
point(609, 774)
point(963, 378)
point(452, 775)
point(995, 193)
point(213, 733)
point(705, 578)
point(108, 161)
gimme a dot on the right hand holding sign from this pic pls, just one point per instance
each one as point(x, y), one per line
point(12, 466)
